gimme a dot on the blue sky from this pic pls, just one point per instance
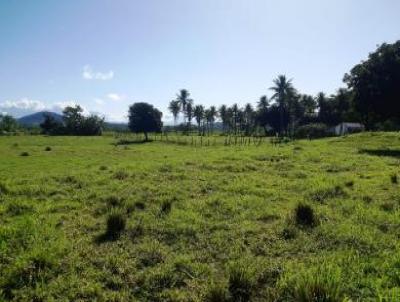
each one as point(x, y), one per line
point(107, 54)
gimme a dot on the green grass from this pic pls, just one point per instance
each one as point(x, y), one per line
point(198, 223)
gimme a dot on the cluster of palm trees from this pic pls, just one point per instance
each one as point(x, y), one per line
point(204, 117)
point(282, 113)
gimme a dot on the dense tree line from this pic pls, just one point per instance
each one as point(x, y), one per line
point(73, 123)
point(372, 97)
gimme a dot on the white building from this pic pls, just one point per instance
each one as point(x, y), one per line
point(345, 128)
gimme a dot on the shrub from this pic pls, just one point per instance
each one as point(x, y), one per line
point(312, 131)
point(103, 168)
point(116, 223)
point(240, 283)
point(47, 149)
point(304, 215)
point(24, 153)
point(393, 178)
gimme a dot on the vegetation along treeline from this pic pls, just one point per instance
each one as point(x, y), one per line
point(371, 97)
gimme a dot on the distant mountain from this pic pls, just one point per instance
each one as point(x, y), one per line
point(37, 118)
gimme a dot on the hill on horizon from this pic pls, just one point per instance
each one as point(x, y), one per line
point(35, 119)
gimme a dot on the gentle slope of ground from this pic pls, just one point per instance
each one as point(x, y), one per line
point(201, 223)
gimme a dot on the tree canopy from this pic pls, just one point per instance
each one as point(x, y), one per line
point(375, 84)
point(144, 118)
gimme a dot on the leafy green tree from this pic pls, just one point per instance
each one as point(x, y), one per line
point(75, 123)
point(51, 126)
point(8, 123)
point(73, 119)
point(143, 117)
point(375, 84)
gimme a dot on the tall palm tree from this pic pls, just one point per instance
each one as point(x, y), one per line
point(198, 114)
point(222, 111)
point(248, 114)
point(174, 108)
point(263, 103)
point(235, 117)
point(183, 99)
point(189, 113)
point(283, 92)
point(213, 115)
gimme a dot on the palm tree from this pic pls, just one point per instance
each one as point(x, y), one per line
point(235, 117)
point(263, 103)
point(224, 116)
point(283, 92)
point(183, 99)
point(213, 114)
point(174, 108)
point(308, 103)
point(198, 114)
point(189, 113)
point(248, 115)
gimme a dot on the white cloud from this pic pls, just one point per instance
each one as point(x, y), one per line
point(23, 104)
point(116, 96)
point(89, 74)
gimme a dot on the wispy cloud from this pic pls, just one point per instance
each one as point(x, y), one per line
point(116, 96)
point(89, 74)
point(24, 104)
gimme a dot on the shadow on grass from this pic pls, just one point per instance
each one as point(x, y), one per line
point(382, 152)
point(122, 142)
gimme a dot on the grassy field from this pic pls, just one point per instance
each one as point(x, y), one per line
point(85, 220)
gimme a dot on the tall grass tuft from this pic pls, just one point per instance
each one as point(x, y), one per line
point(304, 215)
point(216, 293)
point(394, 179)
point(116, 223)
point(321, 285)
point(240, 283)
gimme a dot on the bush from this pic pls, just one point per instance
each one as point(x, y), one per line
point(393, 179)
point(240, 284)
point(24, 153)
point(47, 149)
point(312, 131)
point(116, 223)
point(304, 215)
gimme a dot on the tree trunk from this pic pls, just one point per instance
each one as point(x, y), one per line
point(146, 138)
